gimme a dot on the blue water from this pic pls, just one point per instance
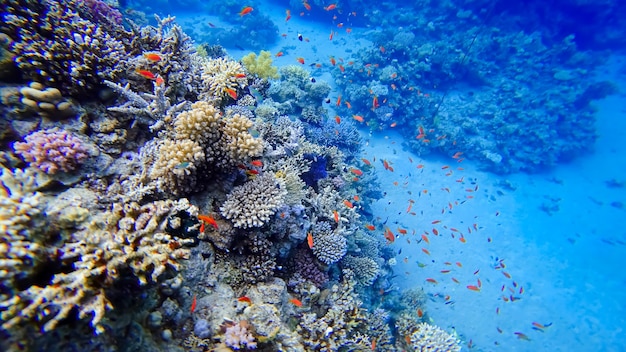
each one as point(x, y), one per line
point(507, 187)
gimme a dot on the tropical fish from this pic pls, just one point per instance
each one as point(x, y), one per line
point(473, 288)
point(300, 60)
point(330, 7)
point(356, 171)
point(358, 118)
point(146, 74)
point(309, 240)
point(152, 57)
point(279, 54)
point(245, 299)
point(193, 304)
point(425, 238)
point(522, 336)
point(336, 216)
point(209, 220)
point(288, 15)
point(231, 92)
point(296, 302)
point(246, 10)
point(370, 227)
point(432, 281)
point(348, 204)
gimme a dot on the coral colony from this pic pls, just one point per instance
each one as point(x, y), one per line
point(163, 196)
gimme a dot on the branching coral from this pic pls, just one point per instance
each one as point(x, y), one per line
point(221, 75)
point(128, 239)
point(431, 338)
point(260, 66)
point(52, 150)
point(252, 204)
point(176, 160)
point(365, 269)
point(237, 143)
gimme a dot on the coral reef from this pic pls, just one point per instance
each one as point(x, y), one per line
point(432, 338)
point(252, 204)
point(261, 65)
point(52, 150)
point(220, 77)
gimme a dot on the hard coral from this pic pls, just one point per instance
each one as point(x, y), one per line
point(52, 150)
point(252, 204)
point(260, 66)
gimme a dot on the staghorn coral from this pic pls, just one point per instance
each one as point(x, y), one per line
point(52, 150)
point(220, 75)
point(127, 239)
point(55, 46)
point(260, 65)
point(175, 164)
point(252, 204)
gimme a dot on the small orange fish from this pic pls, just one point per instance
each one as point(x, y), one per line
point(245, 299)
point(240, 75)
point(375, 104)
point(356, 198)
point(338, 103)
point(153, 57)
point(348, 204)
point(209, 220)
point(336, 216)
point(370, 227)
point(330, 7)
point(393, 124)
point(309, 240)
point(435, 222)
point(366, 162)
point(159, 80)
point(147, 74)
point(480, 284)
point(459, 264)
point(356, 171)
point(231, 92)
point(455, 280)
point(306, 5)
point(507, 275)
point(425, 238)
point(342, 69)
point(332, 61)
point(462, 239)
point(279, 54)
point(425, 251)
point(348, 105)
point(444, 271)
point(420, 313)
point(522, 336)
point(358, 118)
point(296, 302)
point(330, 37)
point(288, 15)
point(193, 303)
point(473, 288)
point(389, 236)
point(246, 10)
point(338, 119)
point(300, 60)
point(257, 163)
point(432, 281)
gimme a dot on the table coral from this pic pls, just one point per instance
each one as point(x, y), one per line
point(252, 204)
point(52, 150)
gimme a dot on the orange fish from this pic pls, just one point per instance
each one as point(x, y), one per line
point(336, 216)
point(358, 118)
point(338, 103)
point(300, 60)
point(425, 251)
point(159, 80)
point(147, 74)
point(382, 49)
point(348, 203)
point(306, 5)
point(402, 231)
point(370, 227)
point(232, 93)
point(257, 163)
point(153, 57)
point(338, 119)
point(462, 239)
point(459, 264)
point(245, 299)
point(420, 313)
point(473, 288)
point(366, 162)
point(330, 37)
point(341, 68)
point(455, 280)
point(375, 104)
point(246, 10)
point(330, 7)
point(435, 232)
point(356, 171)
point(480, 284)
point(356, 198)
point(522, 336)
point(435, 222)
point(432, 281)
point(288, 17)
point(393, 124)
point(193, 303)
point(209, 220)
point(296, 302)
point(309, 240)
point(389, 236)
point(425, 238)
point(279, 54)
point(332, 61)
point(507, 275)
point(444, 271)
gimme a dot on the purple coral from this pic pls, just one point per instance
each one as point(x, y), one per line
point(100, 10)
point(307, 267)
point(52, 150)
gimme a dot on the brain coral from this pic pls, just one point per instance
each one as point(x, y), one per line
point(252, 204)
point(52, 150)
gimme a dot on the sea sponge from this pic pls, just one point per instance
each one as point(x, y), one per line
point(52, 150)
point(220, 75)
point(260, 66)
point(431, 338)
point(253, 203)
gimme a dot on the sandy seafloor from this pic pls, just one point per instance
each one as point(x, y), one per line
point(567, 259)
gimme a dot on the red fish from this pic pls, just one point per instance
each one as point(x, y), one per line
point(300, 60)
point(375, 104)
point(296, 302)
point(246, 10)
point(209, 220)
point(356, 171)
point(245, 299)
point(147, 74)
point(330, 7)
point(257, 163)
point(153, 57)
point(193, 303)
point(279, 54)
point(425, 238)
point(306, 5)
point(358, 118)
point(425, 251)
point(309, 240)
point(507, 275)
point(338, 103)
point(288, 15)
point(389, 236)
point(338, 119)
point(232, 93)
point(348, 204)
point(336, 216)
point(370, 227)
point(420, 313)
point(473, 288)
point(432, 281)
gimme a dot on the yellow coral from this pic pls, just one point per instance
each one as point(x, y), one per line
point(260, 66)
point(237, 142)
point(200, 124)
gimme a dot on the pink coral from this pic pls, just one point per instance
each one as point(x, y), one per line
point(52, 150)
